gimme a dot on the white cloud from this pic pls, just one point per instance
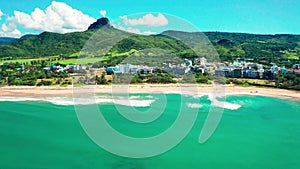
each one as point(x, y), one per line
point(129, 29)
point(149, 33)
point(133, 30)
point(1, 14)
point(58, 17)
point(103, 13)
point(147, 20)
point(9, 31)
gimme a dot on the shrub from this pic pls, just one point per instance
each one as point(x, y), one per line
point(44, 83)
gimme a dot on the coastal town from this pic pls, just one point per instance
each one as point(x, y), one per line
point(59, 74)
point(237, 69)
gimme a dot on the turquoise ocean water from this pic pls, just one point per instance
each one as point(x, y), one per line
point(263, 133)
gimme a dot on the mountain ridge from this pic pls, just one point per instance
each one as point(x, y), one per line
point(229, 45)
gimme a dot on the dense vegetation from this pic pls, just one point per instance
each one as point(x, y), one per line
point(46, 44)
point(13, 74)
point(5, 40)
point(283, 49)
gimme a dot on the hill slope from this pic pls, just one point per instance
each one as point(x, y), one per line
point(269, 48)
point(233, 45)
point(5, 40)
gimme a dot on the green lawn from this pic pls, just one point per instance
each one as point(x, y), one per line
point(66, 62)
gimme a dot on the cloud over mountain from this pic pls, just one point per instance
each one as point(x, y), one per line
point(57, 17)
point(8, 29)
point(103, 13)
point(146, 20)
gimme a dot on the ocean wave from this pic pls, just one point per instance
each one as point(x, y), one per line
point(149, 97)
point(226, 105)
point(134, 102)
point(128, 102)
point(222, 104)
point(197, 96)
point(17, 99)
point(194, 105)
point(134, 97)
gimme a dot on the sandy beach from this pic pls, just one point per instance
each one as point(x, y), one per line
point(33, 91)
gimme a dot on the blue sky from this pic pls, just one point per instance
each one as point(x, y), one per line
point(249, 16)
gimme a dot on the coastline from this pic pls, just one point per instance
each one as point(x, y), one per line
point(192, 89)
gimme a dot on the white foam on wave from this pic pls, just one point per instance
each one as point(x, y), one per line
point(134, 103)
point(134, 97)
point(17, 99)
point(149, 97)
point(197, 96)
point(194, 105)
point(65, 101)
point(83, 100)
point(225, 105)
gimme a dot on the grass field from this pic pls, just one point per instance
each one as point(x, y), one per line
point(255, 81)
point(65, 61)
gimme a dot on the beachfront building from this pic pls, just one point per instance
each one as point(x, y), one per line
point(274, 69)
point(132, 69)
point(294, 71)
point(124, 68)
point(112, 70)
point(200, 61)
point(236, 73)
point(253, 74)
point(296, 66)
point(284, 70)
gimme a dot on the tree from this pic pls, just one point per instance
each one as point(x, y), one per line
point(101, 80)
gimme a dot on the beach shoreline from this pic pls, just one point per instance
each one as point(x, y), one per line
point(191, 89)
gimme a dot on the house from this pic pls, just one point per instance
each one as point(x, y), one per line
point(236, 73)
point(178, 71)
point(296, 66)
point(200, 61)
point(268, 74)
point(124, 68)
point(261, 73)
point(297, 72)
point(274, 69)
point(111, 70)
point(203, 61)
point(244, 72)
point(222, 72)
point(284, 70)
point(198, 69)
point(46, 70)
point(188, 62)
point(70, 68)
point(294, 71)
point(252, 74)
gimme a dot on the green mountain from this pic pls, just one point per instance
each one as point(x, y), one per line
point(46, 44)
point(111, 42)
point(5, 40)
point(258, 47)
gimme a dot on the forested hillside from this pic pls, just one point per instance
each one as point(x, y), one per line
point(230, 46)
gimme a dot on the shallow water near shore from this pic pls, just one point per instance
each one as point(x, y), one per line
point(263, 132)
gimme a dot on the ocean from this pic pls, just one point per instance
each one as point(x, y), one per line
point(254, 132)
